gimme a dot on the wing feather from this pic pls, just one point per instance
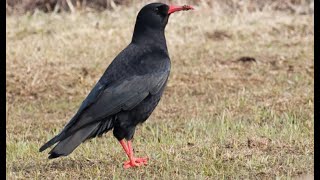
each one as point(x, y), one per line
point(123, 95)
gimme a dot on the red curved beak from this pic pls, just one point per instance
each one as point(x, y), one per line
point(173, 8)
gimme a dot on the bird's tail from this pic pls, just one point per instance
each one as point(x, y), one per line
point(68, 144)
point(50, 143)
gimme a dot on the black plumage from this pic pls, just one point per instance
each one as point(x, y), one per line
point(128, 91)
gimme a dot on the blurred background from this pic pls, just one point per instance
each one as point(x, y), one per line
point(293, 6)
point(239, 103)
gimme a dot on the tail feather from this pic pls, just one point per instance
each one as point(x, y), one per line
point(50, 143)
point(66, 145)
point(62, 135)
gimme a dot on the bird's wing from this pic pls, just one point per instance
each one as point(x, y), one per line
point(124, 95)
point(91, 98)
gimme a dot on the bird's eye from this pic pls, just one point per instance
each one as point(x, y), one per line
point(156, 9)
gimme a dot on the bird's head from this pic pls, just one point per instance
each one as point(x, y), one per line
point(155, 16)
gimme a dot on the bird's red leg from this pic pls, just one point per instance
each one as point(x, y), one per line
point(124, 146)
point(133, 161)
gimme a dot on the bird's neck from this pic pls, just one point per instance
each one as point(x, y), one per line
point(148, 36)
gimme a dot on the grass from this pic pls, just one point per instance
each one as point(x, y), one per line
point(220, 118)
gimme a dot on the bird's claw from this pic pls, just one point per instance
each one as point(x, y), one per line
point(137, 162)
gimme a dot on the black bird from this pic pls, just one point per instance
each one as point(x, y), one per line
point(128, 91)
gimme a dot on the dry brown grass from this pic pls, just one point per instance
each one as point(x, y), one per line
point(20, 7)
point(222, 116)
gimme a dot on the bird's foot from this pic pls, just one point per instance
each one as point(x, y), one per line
point(135, 163)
